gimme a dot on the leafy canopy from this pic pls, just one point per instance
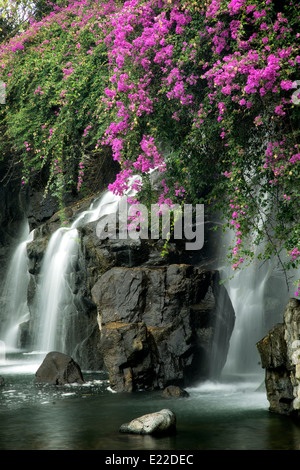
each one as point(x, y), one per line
point(206, 92)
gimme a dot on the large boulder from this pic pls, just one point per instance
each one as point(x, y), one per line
point(58, 369)
point(280, 356)
point(163, 325)
point(160, 422)
point(96, 257)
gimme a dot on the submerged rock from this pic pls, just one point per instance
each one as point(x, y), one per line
point(172, 391)
point(160, 422)
point(58, 369)
point(280, 355)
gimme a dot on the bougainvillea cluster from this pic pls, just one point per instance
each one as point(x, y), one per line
point(201, 92)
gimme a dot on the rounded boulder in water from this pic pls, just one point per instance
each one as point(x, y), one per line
point(58, 369)
point(160, 422)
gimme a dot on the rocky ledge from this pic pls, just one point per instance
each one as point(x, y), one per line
point(280, 356)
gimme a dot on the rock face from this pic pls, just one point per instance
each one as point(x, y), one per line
point(58, 369)
point(161, 326)
point(147, 320)
point(161, 422)
point(280, 356)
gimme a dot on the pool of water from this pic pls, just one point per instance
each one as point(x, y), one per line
point(228, 415)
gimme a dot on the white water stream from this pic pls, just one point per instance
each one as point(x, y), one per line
point(54, 297)
point(259, 294)
point(14, 294)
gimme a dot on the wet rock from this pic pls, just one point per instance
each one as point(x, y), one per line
point(272, 348)
point(163, 325)
point(280, 355)
point(24, 335)
point(172, 391)
point(128, 356)
point(58, 369)
point(40, 208)
point(2, 382)
point(160, 422)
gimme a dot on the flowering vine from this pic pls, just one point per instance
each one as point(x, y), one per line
point(201, 92)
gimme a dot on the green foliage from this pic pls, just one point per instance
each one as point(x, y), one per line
point(209, 89)
point(54, 91)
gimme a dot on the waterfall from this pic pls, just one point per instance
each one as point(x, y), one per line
point(54, 290)
point(259, 294)
point(14, 293)
point(107, 203)
point(55, 297)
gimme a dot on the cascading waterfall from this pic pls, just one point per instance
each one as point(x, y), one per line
point(232, 406)
point(259, 294)
point(55, 297)
point(255, 292)
point(53, 291)
point(14, 294)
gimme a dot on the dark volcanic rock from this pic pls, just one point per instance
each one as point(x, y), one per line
point(162, 326)
point(58, 369)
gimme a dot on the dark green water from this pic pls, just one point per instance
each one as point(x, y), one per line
point(217, 416)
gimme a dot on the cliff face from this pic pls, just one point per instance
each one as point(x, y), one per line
point(280, 356)
point(159, 325)
point(148, 320)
